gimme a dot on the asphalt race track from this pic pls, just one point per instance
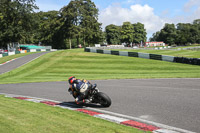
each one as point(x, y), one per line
point(173, 102)
point(19, 62)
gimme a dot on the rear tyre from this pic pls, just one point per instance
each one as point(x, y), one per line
point(104, 100)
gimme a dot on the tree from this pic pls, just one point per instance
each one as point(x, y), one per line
point(140, 33)
point(92, 32)
point(80, 20)
point(184, 33)
point(127, 33)
point(196, 26)
point(48, 29)
point(155, 37)
point(69, 16)
point(197, 21)
point(113, 34)
point(168, 34)
point(16, 20)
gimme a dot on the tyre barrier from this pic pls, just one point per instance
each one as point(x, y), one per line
point(192, 61)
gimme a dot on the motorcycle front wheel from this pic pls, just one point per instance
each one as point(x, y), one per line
point(103, 99)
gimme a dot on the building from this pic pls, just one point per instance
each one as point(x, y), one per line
point(154, 44)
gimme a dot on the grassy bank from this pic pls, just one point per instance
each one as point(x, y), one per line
point(59, 65)
point(18, 116)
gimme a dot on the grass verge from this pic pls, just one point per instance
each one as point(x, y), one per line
point(59, 65)
point(18, 116)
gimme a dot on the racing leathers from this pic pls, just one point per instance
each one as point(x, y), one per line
point(79, 89)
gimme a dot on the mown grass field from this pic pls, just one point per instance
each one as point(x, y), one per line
point(18, 116)
point(59, 65)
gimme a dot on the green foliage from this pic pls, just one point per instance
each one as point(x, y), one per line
point(127, 33)
point(113, 34)
point(16, 21)
point(49, 30)
point(80, 20)
point(76, 21)
point(182, 34)
point(139, 34)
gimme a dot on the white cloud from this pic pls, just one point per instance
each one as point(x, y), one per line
point(115, 14)
point(190, 4)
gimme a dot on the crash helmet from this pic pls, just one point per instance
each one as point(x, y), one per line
point(71, 79)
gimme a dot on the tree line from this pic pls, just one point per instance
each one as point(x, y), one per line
point(16, 21)
point(127, 33)
point(180, 34)
point(74, 24)
point(77, 23)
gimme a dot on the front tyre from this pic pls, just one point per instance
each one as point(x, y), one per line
point(103, 99)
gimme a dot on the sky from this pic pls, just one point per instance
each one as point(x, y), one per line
point(152, 13)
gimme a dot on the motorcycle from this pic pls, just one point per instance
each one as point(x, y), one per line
point(94, 96)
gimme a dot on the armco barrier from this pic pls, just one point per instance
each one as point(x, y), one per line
point(193, 61)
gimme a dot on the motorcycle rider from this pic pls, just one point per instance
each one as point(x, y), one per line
point(79, 89)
